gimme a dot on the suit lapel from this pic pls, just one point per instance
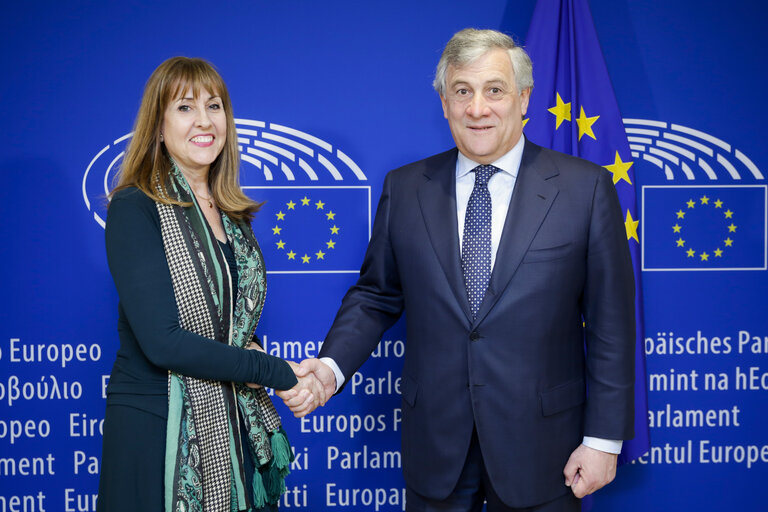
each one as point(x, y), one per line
point(437, 199)
point(531, 199)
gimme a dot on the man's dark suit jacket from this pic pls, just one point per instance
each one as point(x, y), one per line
point(557, 320)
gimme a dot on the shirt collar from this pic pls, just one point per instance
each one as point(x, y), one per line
point(508, 163)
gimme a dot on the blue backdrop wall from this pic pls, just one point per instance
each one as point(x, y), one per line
point(329, 96)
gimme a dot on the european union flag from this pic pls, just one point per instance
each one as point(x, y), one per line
point(312, 229)
point(704, 227)
point(573, 110)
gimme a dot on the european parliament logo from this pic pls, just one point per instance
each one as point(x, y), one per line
point(691, 227)
point(317, 212)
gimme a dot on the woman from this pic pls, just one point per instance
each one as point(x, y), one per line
point(182, 429)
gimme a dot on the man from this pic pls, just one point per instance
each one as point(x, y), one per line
point(512, 266)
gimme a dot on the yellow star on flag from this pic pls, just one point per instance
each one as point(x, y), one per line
point(680, 242)
point(732, 228)
point(291, 205)
point(691, 203)
point(331, 244)
point(561, 111)
point(320, 255)
point(718, 204)
point(585, 124)
point(631, 226)
point(728, 214)
point(704, 256)
point(280, 216)
point(619, 169)
point(691, 253)
point(704, 200)
point(319, 205)
point(718, 253)
point(304, 201)
point(525, 121)
point(305, 259)
point(291, 255)
point(335, 230)
point(676, 228)
point(330, 215)
point(276, 230)
point(281, 245)
point(680, 214)
point(728, 242)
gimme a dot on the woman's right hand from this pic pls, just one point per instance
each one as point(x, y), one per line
point(305, 396)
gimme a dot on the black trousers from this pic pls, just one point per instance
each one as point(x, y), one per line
point(474, 488)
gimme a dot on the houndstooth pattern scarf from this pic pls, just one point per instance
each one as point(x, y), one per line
point(204, 457)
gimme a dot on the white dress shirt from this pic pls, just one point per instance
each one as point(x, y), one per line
point(500, 185)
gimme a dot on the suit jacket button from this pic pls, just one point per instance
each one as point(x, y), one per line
point(474, 336)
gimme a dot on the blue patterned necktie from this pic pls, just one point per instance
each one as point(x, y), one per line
point(476, 243)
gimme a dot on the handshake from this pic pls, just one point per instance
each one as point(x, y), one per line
point(317, 384)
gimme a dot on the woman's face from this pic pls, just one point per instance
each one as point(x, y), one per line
point(194, 130)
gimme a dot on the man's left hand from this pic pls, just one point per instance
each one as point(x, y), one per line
point(588, 470)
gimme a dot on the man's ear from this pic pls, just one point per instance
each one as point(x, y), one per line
point(445, 106)
point(525, 97)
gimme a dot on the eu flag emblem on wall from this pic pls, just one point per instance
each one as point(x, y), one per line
point(312, 229)
point(705, 227)
point(573, 110)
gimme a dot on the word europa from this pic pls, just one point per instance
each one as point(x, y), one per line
point(668, 344)
point(50, 353)
point(340, 497)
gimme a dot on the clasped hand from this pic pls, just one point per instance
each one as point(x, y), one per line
point(317, 383)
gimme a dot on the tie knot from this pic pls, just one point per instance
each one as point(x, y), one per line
point(483, 173)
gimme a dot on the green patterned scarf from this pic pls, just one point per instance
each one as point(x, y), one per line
point(204, 453)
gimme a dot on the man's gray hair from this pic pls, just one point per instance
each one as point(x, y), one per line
point(469, 44)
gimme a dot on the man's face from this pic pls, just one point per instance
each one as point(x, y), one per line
point(483, 108)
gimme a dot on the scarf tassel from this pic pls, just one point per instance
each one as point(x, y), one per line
point(282, 455)
point(269, 484)
point(259, 492)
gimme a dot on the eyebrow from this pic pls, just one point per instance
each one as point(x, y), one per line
point(191, 98)
point(491, 83)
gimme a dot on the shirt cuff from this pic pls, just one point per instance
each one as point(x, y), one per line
point(337, 372)
point(604, 445)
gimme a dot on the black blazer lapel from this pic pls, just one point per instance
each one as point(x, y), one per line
point(437, 199)
point(531, 200)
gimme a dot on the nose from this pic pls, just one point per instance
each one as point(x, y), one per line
point(477, 106)
point(202, 120)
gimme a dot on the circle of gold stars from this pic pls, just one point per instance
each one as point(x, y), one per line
point(703, 202)
point(319, 206)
